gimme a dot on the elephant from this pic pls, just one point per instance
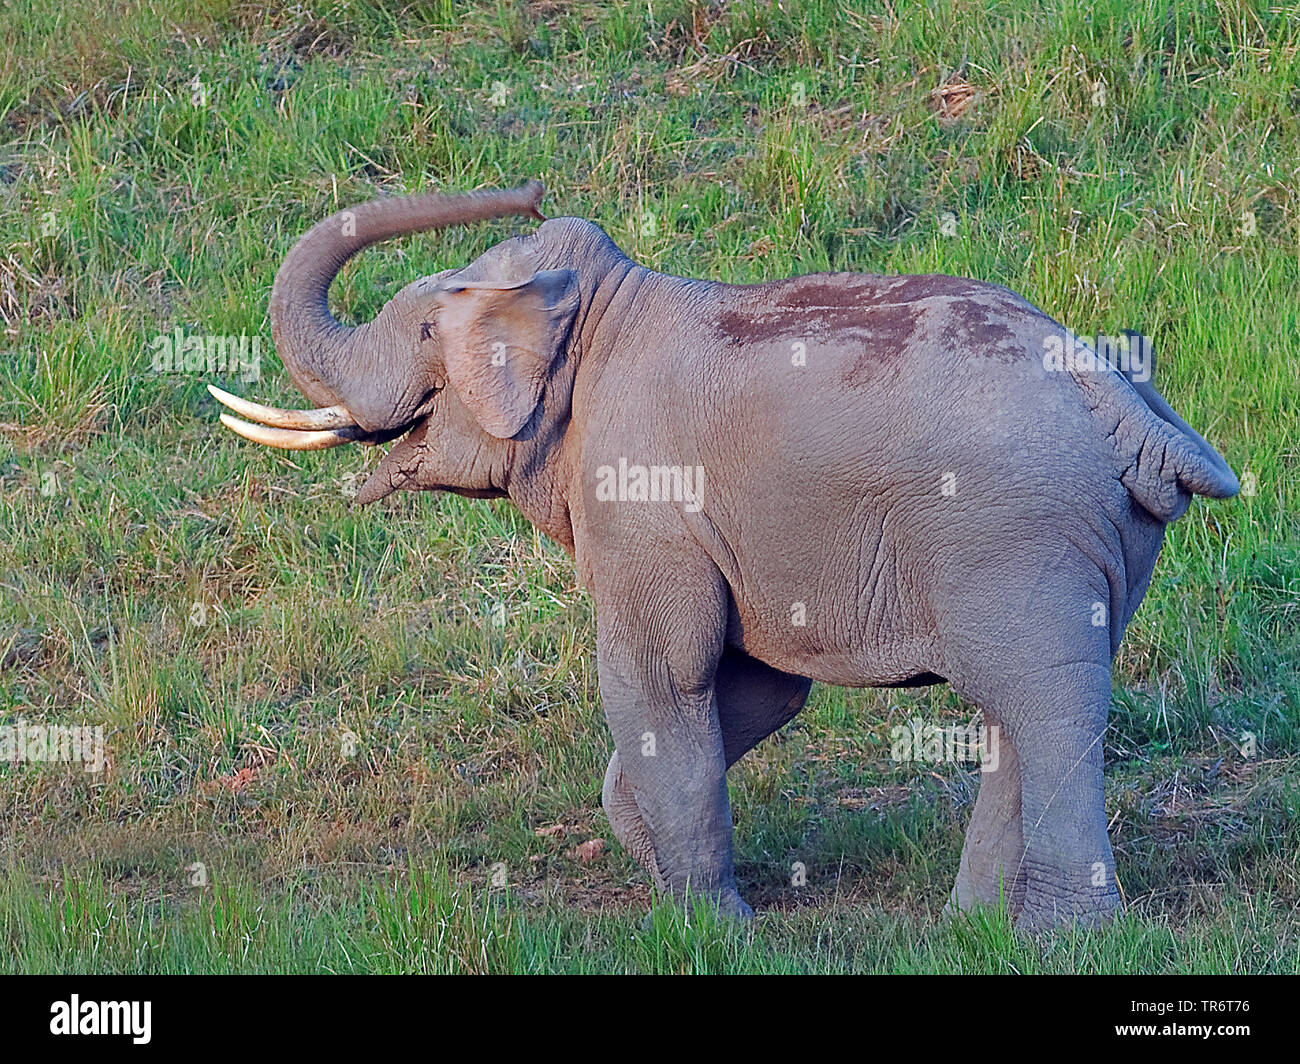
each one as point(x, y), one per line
point(861, 480)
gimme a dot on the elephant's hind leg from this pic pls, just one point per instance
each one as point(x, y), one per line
point(1054, 719)
point(992, 859)
point(1039, 667)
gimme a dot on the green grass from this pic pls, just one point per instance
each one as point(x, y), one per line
point(349, 742)
point(424, 923)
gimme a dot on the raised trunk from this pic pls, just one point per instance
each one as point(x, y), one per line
point(311, 343)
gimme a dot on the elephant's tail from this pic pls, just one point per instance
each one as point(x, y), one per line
point(1161, 459)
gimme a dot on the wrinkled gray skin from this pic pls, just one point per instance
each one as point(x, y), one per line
point(824, 491)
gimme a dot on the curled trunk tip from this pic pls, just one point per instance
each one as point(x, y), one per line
point(311, 343)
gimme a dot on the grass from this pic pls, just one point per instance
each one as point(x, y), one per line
point(328, 728)
point(423, 922)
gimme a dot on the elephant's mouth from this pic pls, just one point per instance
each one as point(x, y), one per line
point(299, 430)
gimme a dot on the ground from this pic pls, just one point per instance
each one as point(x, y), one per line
point(329, 730)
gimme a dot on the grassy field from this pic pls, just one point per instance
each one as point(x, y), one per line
point(328, 729)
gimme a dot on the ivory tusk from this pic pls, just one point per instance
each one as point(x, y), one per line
point(290, 439)
point(326, 417)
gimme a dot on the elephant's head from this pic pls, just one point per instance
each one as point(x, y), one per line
point(458, 361)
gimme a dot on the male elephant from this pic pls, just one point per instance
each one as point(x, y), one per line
point(857, 479)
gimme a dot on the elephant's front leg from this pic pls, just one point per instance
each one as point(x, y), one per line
point(754, 700)
point(657, 654)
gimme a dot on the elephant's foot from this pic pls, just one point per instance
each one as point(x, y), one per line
point(626, 823)
point(728, 903)
point(1044, 912)
point(630, 830)
point(732, 906)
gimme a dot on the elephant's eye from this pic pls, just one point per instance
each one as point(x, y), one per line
point(426, 331)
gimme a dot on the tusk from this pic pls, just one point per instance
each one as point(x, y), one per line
point(291, 439)
point(326, 417)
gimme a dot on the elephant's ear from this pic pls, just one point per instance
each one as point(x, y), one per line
point(499, 340)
